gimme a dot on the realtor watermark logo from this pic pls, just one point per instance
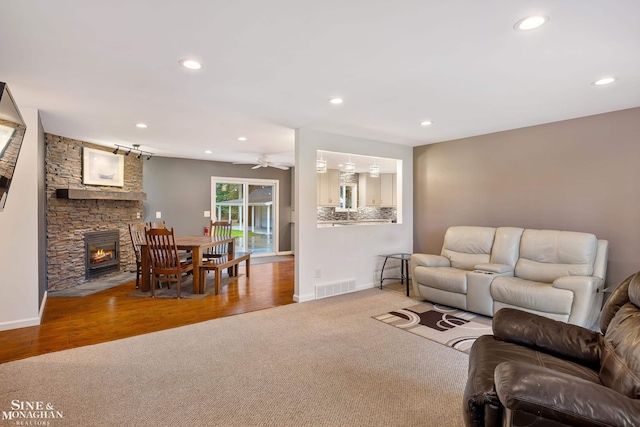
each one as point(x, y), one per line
point(31, 413)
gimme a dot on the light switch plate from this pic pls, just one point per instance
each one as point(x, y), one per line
point(207, 214)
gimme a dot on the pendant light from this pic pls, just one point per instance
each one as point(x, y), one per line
point(374, 170)
point(321, 165)
point(350, 167)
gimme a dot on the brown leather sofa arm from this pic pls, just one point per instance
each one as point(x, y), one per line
point(563, 398)
point(549, 336)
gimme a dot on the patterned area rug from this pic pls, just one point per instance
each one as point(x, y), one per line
point(445, 325)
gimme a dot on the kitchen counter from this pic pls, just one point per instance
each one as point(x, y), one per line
point(339, 223)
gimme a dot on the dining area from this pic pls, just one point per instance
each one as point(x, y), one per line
point(162, 257)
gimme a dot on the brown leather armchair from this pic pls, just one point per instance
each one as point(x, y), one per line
point(536, 371)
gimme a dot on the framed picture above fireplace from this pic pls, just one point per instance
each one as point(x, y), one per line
point(102, 168)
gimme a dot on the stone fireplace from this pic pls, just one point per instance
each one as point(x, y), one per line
point(75, 210)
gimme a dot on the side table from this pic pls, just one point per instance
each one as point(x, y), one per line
point(404, 267)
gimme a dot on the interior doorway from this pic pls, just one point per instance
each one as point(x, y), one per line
point(251, 205)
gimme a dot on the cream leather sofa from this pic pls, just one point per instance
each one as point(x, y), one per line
point(556, 274)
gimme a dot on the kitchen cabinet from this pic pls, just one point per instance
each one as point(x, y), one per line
point(369, 190)
point(388, 191)
point(380, 191)
point(328, 188)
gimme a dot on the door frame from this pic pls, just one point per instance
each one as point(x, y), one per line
point(246, 182)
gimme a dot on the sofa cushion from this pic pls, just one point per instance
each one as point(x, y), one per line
point(506, 246)
point(546, 255)
point(444, 278)
point(531, 295)
point(467, 246)
point(620, 363)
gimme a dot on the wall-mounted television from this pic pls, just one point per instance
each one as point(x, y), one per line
point(12, 129)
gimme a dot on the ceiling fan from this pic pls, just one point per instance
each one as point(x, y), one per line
point(264, 161)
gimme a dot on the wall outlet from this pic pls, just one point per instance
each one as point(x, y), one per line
point(158, 214)
point(318, 273)
point(207, 214)
point(138, 215)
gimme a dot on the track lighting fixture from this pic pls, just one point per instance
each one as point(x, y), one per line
point(134, 149)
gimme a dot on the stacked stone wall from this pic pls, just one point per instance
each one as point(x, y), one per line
point(68, 220)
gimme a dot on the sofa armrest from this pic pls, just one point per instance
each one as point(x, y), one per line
point(502, 269)
point(578, 284)
point(550, 336)
point(428, 260)
point(586, 301)
point(561, 397)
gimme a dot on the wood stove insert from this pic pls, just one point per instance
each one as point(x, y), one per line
point(102, 252)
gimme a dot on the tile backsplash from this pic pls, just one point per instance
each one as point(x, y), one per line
point(330, 214)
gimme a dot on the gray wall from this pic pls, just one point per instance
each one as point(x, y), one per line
point(575, 175)
point(181, 190)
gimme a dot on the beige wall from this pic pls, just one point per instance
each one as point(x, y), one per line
point(331, 255)
point(20, 256)
point(577, 175)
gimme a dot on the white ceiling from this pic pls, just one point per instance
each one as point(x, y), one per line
point(95, 69)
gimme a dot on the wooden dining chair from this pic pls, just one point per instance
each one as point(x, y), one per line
point(165, 262)
point(184, 255)
point(220, 229)
point(137, 233)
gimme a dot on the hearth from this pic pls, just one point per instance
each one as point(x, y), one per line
point(102, 253)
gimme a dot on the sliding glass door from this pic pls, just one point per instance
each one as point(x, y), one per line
point(251, 207)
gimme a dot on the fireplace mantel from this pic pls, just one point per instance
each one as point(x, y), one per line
point(82, 194)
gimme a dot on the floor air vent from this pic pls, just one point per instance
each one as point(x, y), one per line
point(337, 288)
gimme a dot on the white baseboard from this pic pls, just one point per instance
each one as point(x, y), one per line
point(312, 297)
point(284, 253)
point(304, 298)
point(366, 286)
point(25, 323)
point(17, 324)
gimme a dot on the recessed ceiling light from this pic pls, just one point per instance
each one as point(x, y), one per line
point(242, 138)
point(191, 64)
point(426, 123)
point(604, 81)
point(336, 101)
point(208, 151)
point(141, 125)
point(531, 23)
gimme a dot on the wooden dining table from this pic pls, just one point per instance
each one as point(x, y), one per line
point(195, 244)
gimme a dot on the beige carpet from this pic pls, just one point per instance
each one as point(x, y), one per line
point(320, 363)
point(449, 326)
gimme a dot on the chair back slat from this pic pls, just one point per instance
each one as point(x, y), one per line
point(220, 229)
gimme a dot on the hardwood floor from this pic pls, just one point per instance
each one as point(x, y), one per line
point(111, 314)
